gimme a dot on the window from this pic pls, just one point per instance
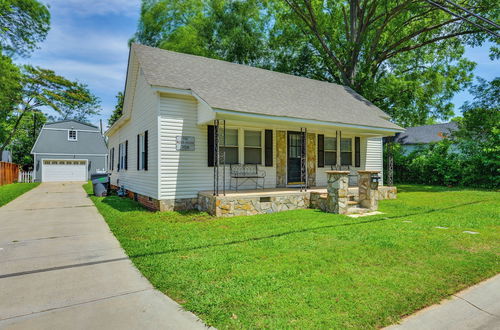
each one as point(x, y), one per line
point(330, 151)
point(72, 135)
point(111, 159)
point(142, 152)
point(122, 156)
point(231, 148)
point(253, 147)
point(346, 151)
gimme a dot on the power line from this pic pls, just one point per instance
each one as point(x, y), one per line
point(473, 14)
point(463, 18)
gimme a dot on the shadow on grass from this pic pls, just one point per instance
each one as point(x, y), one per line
point(291, 232)
point(428, 189)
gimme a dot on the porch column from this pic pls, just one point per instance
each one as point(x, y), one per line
point(311, 160)
point(281, 159)
point(337, 187)
point(368, 191)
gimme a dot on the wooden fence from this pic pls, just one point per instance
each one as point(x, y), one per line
point(25, 176)
point(9, 173)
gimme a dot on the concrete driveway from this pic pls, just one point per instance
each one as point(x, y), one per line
point(477, 307)
point(61, 268)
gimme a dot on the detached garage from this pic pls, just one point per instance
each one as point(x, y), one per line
point(69, 151)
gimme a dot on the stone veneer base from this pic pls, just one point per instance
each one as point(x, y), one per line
point(228, 206)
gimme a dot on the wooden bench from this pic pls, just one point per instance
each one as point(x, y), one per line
point(241, 173)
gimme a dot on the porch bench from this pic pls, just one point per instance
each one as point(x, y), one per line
point(244, 173)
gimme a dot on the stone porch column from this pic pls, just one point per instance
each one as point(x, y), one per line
point(338, 183)
point(367, 196)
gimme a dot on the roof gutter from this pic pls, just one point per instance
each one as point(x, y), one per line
point(307, 121)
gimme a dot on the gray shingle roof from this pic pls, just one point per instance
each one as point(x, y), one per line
point(426, 134)
point(56, 141)
point(237, 87)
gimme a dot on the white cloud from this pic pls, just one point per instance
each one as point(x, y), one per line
point(95, 7)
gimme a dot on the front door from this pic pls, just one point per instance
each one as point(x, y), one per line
point(294, 149)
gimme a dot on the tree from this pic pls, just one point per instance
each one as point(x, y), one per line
point(10, 91)
point(41, 89)
point(25, 138)
point(478, 136)
point(117, 113)
point(229, 30)
point(405, 56)
point(23, 23)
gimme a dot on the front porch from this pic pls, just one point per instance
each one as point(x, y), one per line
point(271, 200)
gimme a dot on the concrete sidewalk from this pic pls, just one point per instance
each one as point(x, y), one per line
point(477, 307)
point(62, 268)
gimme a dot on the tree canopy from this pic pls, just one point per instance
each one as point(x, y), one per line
point(117, 112)
point(405, 56)
point(42, 89)
point(23, 24)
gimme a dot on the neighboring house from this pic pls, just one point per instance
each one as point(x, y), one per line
point(421, 136)
point(162, 148)
point(6, 156)
point(69, 150)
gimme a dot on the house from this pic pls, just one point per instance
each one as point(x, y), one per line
point(178, 108)
point(6, 156)
point(421, 136)
point(68, 150)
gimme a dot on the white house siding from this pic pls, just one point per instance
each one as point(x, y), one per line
point(144, 117)
point(184, 173)
point(374, 159)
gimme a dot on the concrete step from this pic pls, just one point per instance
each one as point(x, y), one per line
point(352, 202)
point(357, 210)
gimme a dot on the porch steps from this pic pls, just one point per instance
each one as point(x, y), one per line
point(353, 203)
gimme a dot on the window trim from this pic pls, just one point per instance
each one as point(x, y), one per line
point(325, 150)
point(69, 135)
point(351, 152)
point(261, 148)
point(236, 146)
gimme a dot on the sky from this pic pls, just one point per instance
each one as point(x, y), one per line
point(88, 42)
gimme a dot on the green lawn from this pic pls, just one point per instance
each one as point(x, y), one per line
point(11, 191)
point(309, 269)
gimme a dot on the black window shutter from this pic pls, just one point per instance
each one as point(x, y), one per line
point(126, 154)
point(138, 151)
point(268, 151)
point(211, 143)
point(321, 150)
point(112, 159)
point(119, 158)
point(357, 151)
point(145, 150)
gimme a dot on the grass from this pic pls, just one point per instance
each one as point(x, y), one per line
point(309, 269)
point(11, 191)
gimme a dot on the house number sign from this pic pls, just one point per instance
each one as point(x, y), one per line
point(184, 143)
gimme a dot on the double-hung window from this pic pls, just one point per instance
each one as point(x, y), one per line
point(253, 147)
point(123, 155)
point(231, 148)
point(142, 152)
point(72, 135)
point(330, 151)
point(346, 151)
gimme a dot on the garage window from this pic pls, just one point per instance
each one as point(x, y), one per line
point(72, 135)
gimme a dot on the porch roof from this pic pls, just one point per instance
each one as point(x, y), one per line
point(249, 90)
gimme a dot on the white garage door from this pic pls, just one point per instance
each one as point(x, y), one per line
point(64, 170)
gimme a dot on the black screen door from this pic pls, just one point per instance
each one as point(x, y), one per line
point(294, 151)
